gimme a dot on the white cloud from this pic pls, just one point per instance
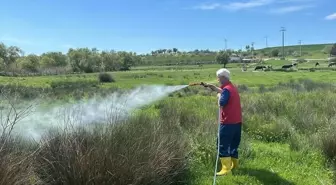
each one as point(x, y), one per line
point(291, 5)
point(331, 17)
point(234, 5)
point(289, 9)
point(208, 6)
point(247, 5)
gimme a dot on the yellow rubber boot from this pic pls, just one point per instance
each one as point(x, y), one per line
point(226, 166)
point(235, 163)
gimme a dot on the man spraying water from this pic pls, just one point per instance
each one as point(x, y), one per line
point(230, 121)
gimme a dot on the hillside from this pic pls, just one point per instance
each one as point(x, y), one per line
point(308, 51)
point(312, 51)
point(307, 48)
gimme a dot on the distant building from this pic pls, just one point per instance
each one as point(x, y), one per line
point(234, 59)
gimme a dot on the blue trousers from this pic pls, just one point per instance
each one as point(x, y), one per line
point(229, 137)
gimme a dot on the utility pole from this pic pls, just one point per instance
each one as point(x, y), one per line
point(225, 44)
point(266, 41)
point(300, 42)
point(283, 42)
point(252, 49)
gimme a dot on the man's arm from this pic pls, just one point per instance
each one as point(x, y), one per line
point(213, 87)
point(224, 98)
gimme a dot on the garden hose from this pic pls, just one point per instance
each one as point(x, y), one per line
point(218, 141)
point(197, 83)
point(218, 135)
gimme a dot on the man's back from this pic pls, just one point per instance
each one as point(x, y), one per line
point(231, 113)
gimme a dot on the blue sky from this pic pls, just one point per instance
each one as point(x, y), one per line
point(39, 26)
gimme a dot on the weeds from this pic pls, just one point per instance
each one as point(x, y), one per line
point(139, 151)
point(173, 141)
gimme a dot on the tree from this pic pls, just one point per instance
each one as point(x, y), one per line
point(9, 55)
point(60, 60)
point(333, 50)
point(247, 47)
point(47, 62)
point(110, 61)
point(27, 65)
point(128, 60)
point(275, 53)
point(223, 57)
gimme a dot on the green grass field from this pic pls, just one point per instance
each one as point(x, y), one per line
point(183, 75)
point(288, 135)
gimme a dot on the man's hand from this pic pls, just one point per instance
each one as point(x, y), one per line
point(212, 87)
point(218, 95)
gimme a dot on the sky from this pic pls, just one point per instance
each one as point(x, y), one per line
point(38, 26)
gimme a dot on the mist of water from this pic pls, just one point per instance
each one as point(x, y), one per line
point(115, 107)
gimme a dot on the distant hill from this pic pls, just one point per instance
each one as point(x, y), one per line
point(171, 57)
point(311, 50)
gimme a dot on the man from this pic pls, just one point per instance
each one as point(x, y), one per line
point(230, 121)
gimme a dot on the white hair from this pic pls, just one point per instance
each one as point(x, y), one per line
point(223, 72)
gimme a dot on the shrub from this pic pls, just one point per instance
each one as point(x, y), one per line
point(268, 130)
point(139, 151)
point(106, 77)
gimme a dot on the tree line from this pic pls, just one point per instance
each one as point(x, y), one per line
point(13, 60)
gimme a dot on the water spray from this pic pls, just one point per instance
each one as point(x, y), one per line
point(111, 109)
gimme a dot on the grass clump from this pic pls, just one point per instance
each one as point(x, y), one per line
point(16, 164)
point(105, 78)
point(139, 151)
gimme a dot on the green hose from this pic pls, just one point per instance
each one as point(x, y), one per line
point(218, 141)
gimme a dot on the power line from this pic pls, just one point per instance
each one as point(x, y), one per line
point(300, 42)
point(283, 41)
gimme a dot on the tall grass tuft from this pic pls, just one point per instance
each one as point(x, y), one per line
point(138, 151)
point(16, 164)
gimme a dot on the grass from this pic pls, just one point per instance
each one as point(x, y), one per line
point(173, 77)
point(288, 132)
point(276, 164)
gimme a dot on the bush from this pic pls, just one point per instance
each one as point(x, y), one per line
point(139, 151)
point(106, 77)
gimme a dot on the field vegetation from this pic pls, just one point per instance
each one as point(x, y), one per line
point(288, 132)
point(84, 60)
